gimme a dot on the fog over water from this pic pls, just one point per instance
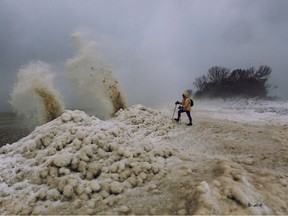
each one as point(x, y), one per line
point(155, 49)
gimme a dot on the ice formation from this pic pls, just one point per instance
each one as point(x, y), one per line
point(140, 162)
point(81, 159)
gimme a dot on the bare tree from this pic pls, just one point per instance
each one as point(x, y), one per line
point(217, 74)
point(263, 73)
point(220, 82)
point(200, 83)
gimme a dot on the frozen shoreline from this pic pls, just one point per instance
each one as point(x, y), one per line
point(225, 164)
point(242, 110)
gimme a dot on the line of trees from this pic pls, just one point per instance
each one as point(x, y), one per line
point(224, 83)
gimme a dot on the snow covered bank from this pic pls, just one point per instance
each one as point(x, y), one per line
point(140, 162)
point(249, 110)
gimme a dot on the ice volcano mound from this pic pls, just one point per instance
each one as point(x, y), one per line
point(82, 160)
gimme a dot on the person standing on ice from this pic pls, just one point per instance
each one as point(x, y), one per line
point(185, 107)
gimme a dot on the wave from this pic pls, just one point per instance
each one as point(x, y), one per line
point(34, 96)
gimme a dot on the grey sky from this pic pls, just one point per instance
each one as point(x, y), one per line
point(156, 48)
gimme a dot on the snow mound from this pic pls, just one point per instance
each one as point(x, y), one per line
point(84, 160)
point(145, 121)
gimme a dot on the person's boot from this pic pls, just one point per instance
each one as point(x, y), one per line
point(176, 119)
point(190, 124)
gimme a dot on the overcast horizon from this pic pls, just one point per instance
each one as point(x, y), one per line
point(155, 48)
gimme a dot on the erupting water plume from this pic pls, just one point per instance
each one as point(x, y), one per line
point(34, 96)
point(97, 87)
point(52, 106)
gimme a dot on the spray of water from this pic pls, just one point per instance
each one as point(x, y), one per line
point(34, 96)
point(98, 90)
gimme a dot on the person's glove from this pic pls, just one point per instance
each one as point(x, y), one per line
point(177, 102)
point(180, 107)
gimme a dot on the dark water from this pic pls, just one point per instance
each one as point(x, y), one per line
point(12, 128)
